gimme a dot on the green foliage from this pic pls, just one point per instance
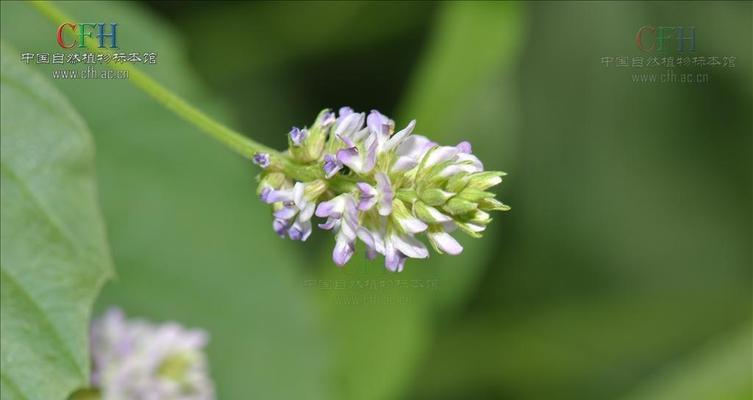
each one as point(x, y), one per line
point(623, 269)
point(54, 254)
point(718, 370)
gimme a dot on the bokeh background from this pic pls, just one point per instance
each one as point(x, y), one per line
point(623, 270)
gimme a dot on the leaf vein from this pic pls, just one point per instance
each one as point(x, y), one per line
point(51, 220)
point(8, 382)
point(36, 306)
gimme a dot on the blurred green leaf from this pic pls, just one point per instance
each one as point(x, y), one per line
point(192, 241)
point(583, 349)
point(720, 370)
point(55, 257)
point(276, 35)
point(617, 257)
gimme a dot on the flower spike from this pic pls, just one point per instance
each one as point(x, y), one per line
point(384, 188)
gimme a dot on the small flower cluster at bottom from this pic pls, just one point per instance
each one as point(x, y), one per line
point(378, 186)
point(135, 359)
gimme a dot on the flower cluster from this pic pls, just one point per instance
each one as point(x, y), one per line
point(378, 186)
point(134, 359)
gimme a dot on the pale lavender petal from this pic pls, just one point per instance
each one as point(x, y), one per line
point(453, 169)
point(305, 227)
point(449, 226)
point(436, 215)
point(464, 147)
point(262, 160)
point(394, 260)
point(347, 140)
point(367, 239)
point(331, 208)
point(471, 162)
point(351, 158)
point(410, 246)
point(279, 195)
point(359, 136)
point(391, 256)
point(445, 242)
point(328, 119)
point(307, 211)
point(379, 123)
point(371, 157)
point(414, 145)
point(348, 125)
point(342, 252)
point(298, 191)
point(264, 194)
point(367, 196)
point(385, 193)
point(440, 154)
point(349, 224)
point(398, 138)
point(404, 164)
point(401, 263)
point(345, 111)
point(280, 227)
point(332, 222)
point(412, 224)
point(295, 233)
point(287, 212)
point(365, 203)
point(301, 230)
point(331, 165)
point(371, 239)
point(297, 136)
point(366, 189)
point(410, 152)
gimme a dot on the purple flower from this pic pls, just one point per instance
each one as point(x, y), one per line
point(345, 111)
point(348, 128)
point(386, 194)
point(281, 226)
point(264, 194)
point(328, 119)
point(410, 152)
point(399, 247)
point(331, 165)
point(262, 159)
point(399, 137)
point(342, 216)
point(368, 196)
point(464, 147)
point(355, 158)
point(379, 124)
point(401, 185)
point(444, 242)
point(297, 136)
point(293, 211)
point(136, 359)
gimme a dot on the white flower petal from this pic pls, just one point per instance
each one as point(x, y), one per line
point(410, 246)
point(440, 154)
point(398, 138)
point(445, 242)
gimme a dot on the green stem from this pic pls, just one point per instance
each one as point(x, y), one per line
point(234, 140)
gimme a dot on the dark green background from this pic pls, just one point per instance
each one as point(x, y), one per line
point(623, 270)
